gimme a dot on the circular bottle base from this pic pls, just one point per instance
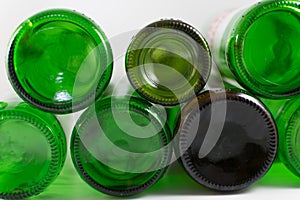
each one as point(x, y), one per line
point(119, 147)
point(236, 157)
point(32, 153)
point(261, 52)
point(59, 61)
point(168, 62)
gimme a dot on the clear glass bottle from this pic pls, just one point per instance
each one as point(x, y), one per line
point(32, 150)
point(59, 60)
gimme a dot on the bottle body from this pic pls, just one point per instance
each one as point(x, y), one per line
point(259, 48)
point(59, 60)
point(287, 115)
point(227, 139)
point(168, 62)
point(33, 150)
point(120, 146)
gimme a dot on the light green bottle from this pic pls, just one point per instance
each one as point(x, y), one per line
point(121, 145)
point(259, 47)
point(168, 62)
point(287, 115)
point(59, 60)
point(32, 150)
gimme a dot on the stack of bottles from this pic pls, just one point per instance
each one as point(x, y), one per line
point(226, 135)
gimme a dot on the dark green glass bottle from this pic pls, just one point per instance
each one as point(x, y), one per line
point(287, 115)
point(32, 150)
point(120, 146)
point(259, 47)
point(168, 62)
point(227, 140)
point(59, 60)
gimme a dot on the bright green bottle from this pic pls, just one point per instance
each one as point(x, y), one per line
point(59, 60)
point(227, 139)
point(121, 145)
point(287, 115)
point(32, 150)
point(260, 48)
point(168, 62)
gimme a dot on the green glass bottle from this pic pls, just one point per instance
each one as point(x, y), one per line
point(227, 139)
point(259, 47)
point(32, 150)
point(168, 62)
point(59, 60)
point(120, 145)
point(287, 115)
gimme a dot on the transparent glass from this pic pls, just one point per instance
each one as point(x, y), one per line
point(261, 48)
point(120, 145)
point(32, 150)
point(59, 60)
point(287, 115)
point(168, 62)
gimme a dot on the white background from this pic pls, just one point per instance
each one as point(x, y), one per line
point(116, 17)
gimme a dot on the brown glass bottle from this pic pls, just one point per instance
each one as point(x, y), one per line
point(227, 139)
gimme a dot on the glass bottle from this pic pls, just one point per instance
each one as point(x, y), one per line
point(32, 150)
point(168, 62)
point(258, 46)
point(287, 114)
point(59, 60)
point(227, 139)
point(120, 145)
